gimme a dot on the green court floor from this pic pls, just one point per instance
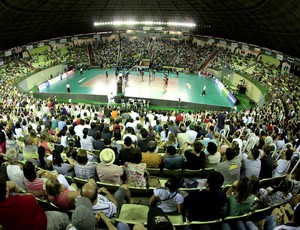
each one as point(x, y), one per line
point(187, 87)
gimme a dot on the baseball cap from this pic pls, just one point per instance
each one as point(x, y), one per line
point(83, 217)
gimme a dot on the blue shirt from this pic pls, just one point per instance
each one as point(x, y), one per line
point(173, 161)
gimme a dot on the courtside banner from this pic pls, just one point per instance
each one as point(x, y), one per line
point(69, 72)
point(225, 92)
point(54, 80)
point(42, 86)
point(7, 53)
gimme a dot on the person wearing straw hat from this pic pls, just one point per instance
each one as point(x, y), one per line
point(106, 170)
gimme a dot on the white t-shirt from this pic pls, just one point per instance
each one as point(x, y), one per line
point(282, 167)
point(252, 167)
point(16, 175)
point(87, 143)
point(169, 201)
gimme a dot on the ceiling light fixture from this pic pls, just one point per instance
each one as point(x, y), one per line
point(146, 23)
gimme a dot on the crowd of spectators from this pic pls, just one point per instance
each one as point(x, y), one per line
point(193, 55)
point(106, 52)
point(111, 145)
point(165, 52)
point(132, 50)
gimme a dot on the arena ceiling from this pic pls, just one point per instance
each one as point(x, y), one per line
point(274, 24)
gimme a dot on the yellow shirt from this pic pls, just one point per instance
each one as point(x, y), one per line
point(152, 160)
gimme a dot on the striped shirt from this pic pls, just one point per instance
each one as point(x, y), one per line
point(36, 186)
point(104, 205)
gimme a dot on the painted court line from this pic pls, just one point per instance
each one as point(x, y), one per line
point(81, 80)
point(188, 85)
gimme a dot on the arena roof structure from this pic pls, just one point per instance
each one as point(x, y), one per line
point(274, 24)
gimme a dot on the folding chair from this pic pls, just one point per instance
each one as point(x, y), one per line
point(80, 182)
point(192, 173)
point(133, 214)
point(176, 219)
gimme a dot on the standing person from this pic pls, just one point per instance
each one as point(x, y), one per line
point(166, 79)
point(177, 72)
point(106, 74)
point(153, 73)
point(81, 70)
point(149, 74)
point(68, 88)
point(221, 120)
point(116, 74)
point(204, 91)
point(142, 74)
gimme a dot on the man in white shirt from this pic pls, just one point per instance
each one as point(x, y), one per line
point(102, 200)
point(78, 128)
point(14, 171)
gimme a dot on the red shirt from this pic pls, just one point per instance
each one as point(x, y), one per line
point(22, 212)
point(179, 118)
point(62, 201)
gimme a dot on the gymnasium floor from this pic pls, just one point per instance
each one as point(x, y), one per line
point(187, 87)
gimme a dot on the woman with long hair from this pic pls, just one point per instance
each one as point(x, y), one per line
point(66, 167)
point(165, 133)
point(241, 198)
point(86, 141)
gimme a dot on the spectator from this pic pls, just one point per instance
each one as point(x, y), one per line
point(213, 157)
point(151, 158)
point(30, 150)
point(14, 171)
point(44, 143)
point(168, 198)
point(143, 142)
point(294, 223)
point(182, 137)
point(230, 168)
point(135, 169)
point(86, 141)
point(83, 216)
point(23, 211)
point(195, 157)
point(172, 160)
point(42, 161)
point(59, 195)
point(98, 144)
point(33, 183)
point(83, 168)
point(66, 167)
point(10, 141)
point(252, 165)
point(106, 170)
point(207, 204)
point(102, 200)
point(241, 199)
point(283, 164)
point(267, 163)
point(124, 152)
point(279, 194)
